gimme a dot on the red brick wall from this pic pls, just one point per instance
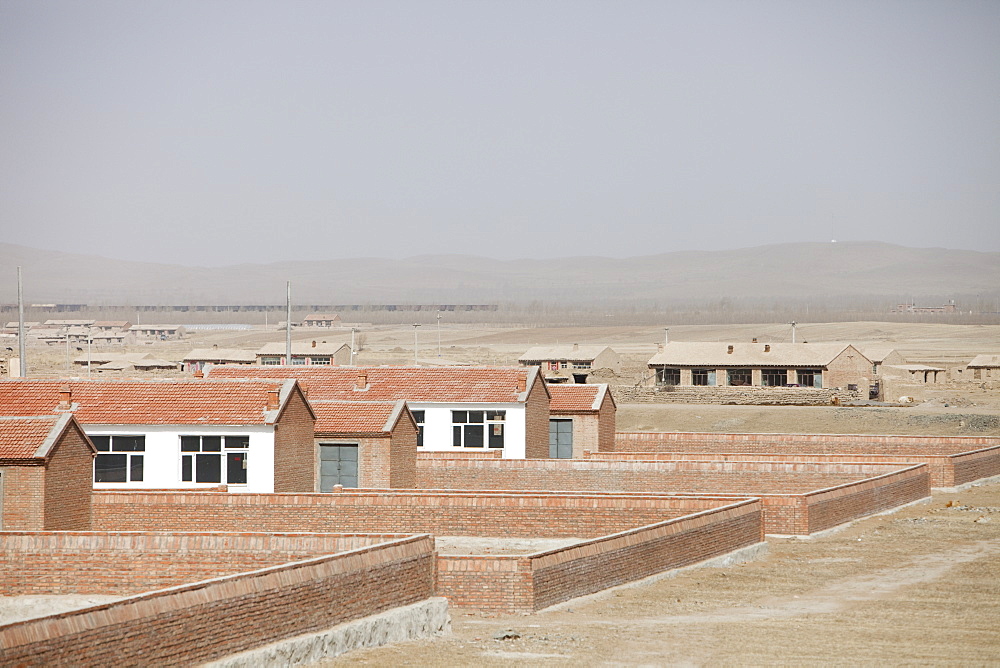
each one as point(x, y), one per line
point(69, 482)
point(442, 513)
point(23, 498)
point(832, 507)
point(607, 416)
point(512, 584)
point(800, 443)
point(536, 422)
point(941, 468)
point(464, 454)
point(123, 564)
point(403, 455)
point(210, 620)
point(294, 450)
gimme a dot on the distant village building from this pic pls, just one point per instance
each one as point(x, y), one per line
point(198, 358)
point(913, 308)
point(912, 373)
point(111, 326)
point(574, 362)
point(157, 332)
point(820, 365)
point(322, 320)
point(305, 353)
point(983, 367)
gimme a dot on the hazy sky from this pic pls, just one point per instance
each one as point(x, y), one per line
point(222, 132)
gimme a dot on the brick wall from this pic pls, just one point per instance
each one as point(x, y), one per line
point(744, 395)
point(23, 498)
point(533, 515)
point(209, 620)
point(849, 367)
point(463, 454)
point(69, 482)
point(294, 451)
point(536, 421)
point(403, 455)
point(123, 564)
point(606, 429)
point(512, 584)
point(944, 470)
point(829, 508)
point(783, 486)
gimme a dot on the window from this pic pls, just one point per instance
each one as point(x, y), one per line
point(740, 377)
point(270, 361)
point(774, 377)
point(581, 365)
point(298, 361)
point(418, 417)
point(477, 429)
point(119, 458)
point(563, 365)
point(218, 459)
point(667, 376)
point(811, 377)
point(324, 360)
point(703, 376)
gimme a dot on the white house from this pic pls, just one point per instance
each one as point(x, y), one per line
point(456, 408)
point(251, 435)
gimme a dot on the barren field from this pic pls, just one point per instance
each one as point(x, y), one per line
point(920, 586)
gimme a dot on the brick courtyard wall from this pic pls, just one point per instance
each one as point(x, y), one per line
point(536, 421)
point(69, 482)
point(944, 470)
point(606, 430)
point(463, 454)
point(200, 622)
point(294, 450)
point(783, 486)
point(828, 508)
point(123, 564)
point(953, 460)
point(744, 395)
point(23, 498)
point(537, 515)
point(513, 584)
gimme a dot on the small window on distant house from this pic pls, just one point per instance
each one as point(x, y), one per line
point(668, 376)
point(119, 458)
point(215, 459)
point(703, 376)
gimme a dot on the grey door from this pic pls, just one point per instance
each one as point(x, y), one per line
point(338, 465)
point(561, 439)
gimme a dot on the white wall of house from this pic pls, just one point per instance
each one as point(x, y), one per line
point(438, 424)
point(162, 456)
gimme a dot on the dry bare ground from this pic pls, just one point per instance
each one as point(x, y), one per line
point(920, 586)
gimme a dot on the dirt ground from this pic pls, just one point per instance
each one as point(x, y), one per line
point(920, 586)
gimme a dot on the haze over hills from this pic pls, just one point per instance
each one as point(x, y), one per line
point(794, 271)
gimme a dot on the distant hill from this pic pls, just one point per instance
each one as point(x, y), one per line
point(795, 271)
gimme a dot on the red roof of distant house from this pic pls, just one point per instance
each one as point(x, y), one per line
point(576, 398)
point(356, 417)
point(468, 384)
point(233, 402)
point(30, 437)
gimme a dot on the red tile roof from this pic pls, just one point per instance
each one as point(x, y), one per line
point(390, 383)
point(234, 402)
point(356, 417)
point(576, 398)
point(30, 437)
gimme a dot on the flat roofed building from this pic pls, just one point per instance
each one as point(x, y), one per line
point(305, 353)
point(581, 418)
point(156, 332)
point(181, 434)
point(984, 366)
point(564, 362)
point(822, 365)
point(456, 409)
point(198, 358)
point(45, 474)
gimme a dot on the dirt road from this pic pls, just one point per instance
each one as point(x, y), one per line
point(920, 586)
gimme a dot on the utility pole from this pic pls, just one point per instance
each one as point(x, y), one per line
point(415, 363)
point(353, 329)
point(793, 330)
point(288, 323)
point(439, 333)
point(666, 335)
point(23, 362)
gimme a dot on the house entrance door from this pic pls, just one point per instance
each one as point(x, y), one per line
point(561, 439)
point(338, 465)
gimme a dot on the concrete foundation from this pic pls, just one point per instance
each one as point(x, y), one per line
point(420, 620)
